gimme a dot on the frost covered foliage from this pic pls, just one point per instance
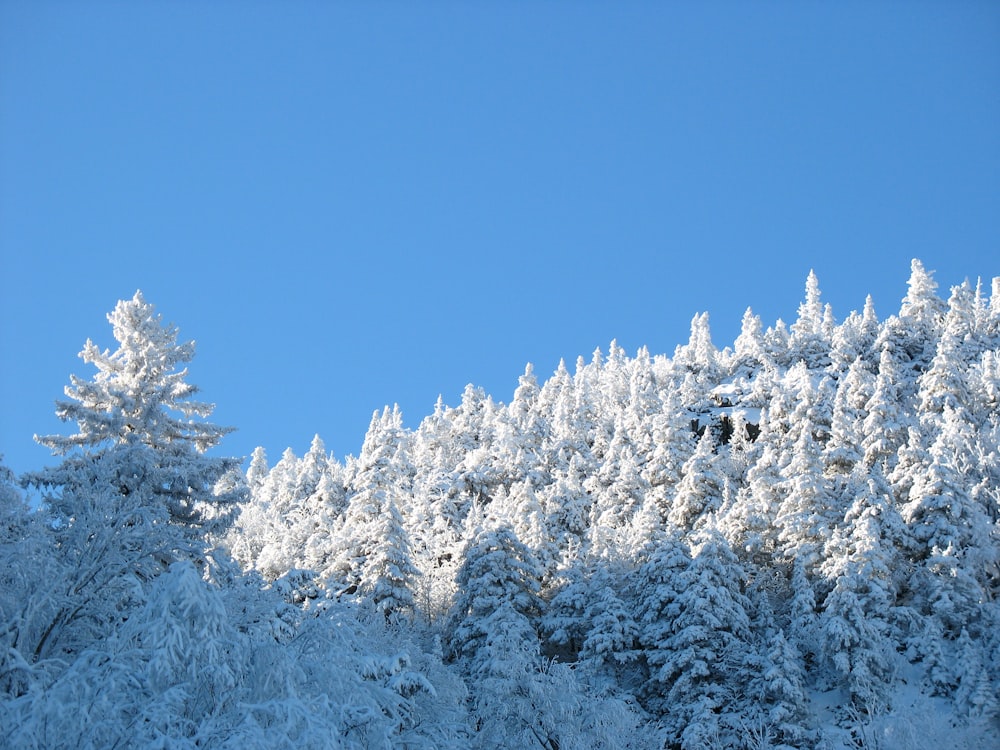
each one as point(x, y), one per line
point(738, 547)
point(122, 625)
point(791, 542)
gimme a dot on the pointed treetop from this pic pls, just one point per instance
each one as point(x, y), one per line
point(138, 391)
point(615, 352)
point(810, 319)
point(869, 311)
point(750, 342)
point(317, 446)
point(921, 296)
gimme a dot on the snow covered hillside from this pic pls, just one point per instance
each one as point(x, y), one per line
point(792, 542)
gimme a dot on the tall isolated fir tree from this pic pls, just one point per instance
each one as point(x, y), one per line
point(135, 491)
point(139, 404)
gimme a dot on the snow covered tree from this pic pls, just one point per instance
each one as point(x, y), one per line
point(527, 519)
point(912, 336)
point(28, 567)
point(493, 636)
point(621, 491)
point(314, 531)
point(643, 404)
point(134, 495)
point(805, 518)
point(699, 493)
point(952, 544)
point(802, 618)
point(884, 425)
point(111, 547)
point(855, 622)
point(12, 505)
point(374, 560)
point(571, 545)
point(655, 588)
point(185, 629)
point(776, 343)
point(498, 570)
point(710, 638)
point(565, 619)
point(943, 517)
point(749, 353)
point(945, 384)
point(522, 429)
point(811, 332)
point(261, 533)
point(566, 504)
point(293, 512)
point(388, 575)
point(842, 451)
point(855, 338)
point(779, 689)
point(699, 357)
point(612, 633)
point(139, 401)
point(977, 694)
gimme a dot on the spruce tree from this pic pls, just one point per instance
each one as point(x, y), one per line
point(499, 573)
point(139, 405)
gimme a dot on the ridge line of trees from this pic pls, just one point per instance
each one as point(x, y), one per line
point(650, 551)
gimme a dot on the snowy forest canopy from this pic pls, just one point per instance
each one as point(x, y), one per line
point(791, 542)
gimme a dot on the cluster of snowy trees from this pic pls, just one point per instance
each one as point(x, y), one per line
point(792, 542)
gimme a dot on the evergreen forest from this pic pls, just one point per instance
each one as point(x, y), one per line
point(792, 541)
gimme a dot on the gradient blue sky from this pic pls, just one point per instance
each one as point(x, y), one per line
point(354, 204)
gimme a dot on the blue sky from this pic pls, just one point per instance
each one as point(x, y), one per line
point(355, 204)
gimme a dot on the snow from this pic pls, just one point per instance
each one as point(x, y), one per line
point(578, 568)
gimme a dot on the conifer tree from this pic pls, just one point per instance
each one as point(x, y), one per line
point(749, 523)
point(802, 615)
point(855, 338)
point(976, 694)
point(655, 589)
point(564, 622)
point(843, 450)
point(912, 335)
point(699, 492)
point(884, 425)
point(257, 471)
point(260, 537)
point(135, 491)
point(695, 672)
point(139, 403)
point(805, 518)
point(749, 352)
point(499, 573)
point(566, 504)
point(810, 339)
point(388, 575)
point(374, 558)
point(953, 542)
point(612, 634)
point(776, 344)
point(781, 687)
point(857, 614)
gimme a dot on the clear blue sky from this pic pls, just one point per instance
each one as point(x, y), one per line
point(354, 204)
